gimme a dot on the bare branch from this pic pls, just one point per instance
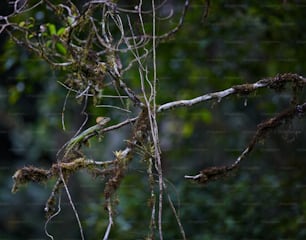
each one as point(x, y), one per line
point(275, 83)
point(262, 131)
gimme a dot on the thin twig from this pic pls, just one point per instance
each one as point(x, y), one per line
point(63, 110)
point(114, 107)
point(177, 217)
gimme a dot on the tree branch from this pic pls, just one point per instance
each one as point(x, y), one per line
point(263, 129)
point(276, 83)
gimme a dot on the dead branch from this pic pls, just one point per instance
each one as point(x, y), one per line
point(276, 83)
point(263, 129)
point(33, 174)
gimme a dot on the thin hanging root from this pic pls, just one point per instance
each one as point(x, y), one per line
point(110, 219)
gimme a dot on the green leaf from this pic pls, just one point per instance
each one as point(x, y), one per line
point(61, 31)
point(22, 24)
point(48, 43)
point(51, 28)
point(30, 22)
point(61, 49)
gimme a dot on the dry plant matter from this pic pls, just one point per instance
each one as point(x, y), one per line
point(91, 46)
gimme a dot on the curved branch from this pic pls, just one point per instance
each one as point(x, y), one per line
point(263, 129)
point(276, 83)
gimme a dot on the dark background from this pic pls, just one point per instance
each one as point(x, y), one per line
point(239, 42)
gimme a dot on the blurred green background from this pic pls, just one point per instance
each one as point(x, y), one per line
point(239, 42)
